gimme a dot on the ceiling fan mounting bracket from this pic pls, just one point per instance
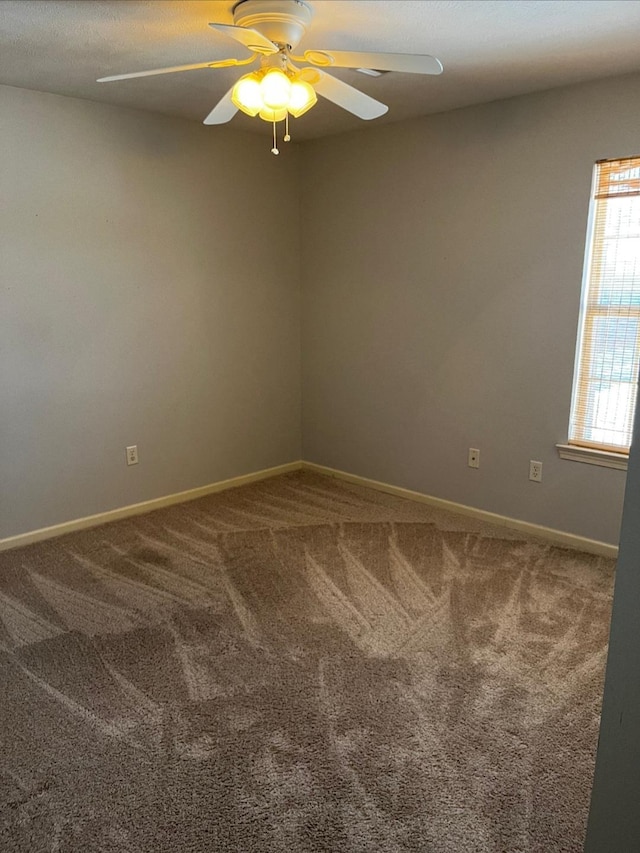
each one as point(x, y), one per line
point(283, 22)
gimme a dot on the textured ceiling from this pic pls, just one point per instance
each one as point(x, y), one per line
point(490, 49)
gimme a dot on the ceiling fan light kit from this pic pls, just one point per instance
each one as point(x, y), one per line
point(273, 90)
point(270, 29)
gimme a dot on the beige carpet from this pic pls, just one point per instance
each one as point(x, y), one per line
point(299, 665)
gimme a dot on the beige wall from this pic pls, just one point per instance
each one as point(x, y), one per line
point(144, 299)
point(147, 299)
point(443, 265)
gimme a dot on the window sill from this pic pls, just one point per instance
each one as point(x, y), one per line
point(591, 456)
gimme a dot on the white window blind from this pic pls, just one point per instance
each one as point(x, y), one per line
point(608, 354)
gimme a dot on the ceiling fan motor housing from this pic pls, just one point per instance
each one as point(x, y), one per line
point(283, 22)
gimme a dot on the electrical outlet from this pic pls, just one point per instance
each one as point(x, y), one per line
point(132, 455)
point(474, 457)
point(535, 471)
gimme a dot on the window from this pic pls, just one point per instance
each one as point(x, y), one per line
point(608, 353)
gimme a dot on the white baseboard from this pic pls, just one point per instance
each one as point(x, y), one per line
point(559, 537)
point(145, 506)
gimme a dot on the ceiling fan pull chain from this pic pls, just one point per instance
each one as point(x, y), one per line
point(287, 138)
point(274, 150)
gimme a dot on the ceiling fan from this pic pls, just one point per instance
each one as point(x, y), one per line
point(270, 30)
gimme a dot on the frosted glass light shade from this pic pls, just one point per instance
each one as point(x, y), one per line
point(273, 115)
point(302, 98)
point(246, 95)
point(272, 94)
point(275, 89)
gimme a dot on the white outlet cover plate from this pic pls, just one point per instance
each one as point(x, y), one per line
point(535, 471)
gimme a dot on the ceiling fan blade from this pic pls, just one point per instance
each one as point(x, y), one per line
point(344, 95)
point(221, 63)
point(407, 62)
point(223, 111)
point(251, 39)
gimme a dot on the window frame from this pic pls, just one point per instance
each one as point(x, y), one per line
point(576, 448)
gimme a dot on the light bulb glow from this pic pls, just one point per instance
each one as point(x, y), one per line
point(272, 94)
point(246, 94)
point(303, 97)
point(275, 89)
